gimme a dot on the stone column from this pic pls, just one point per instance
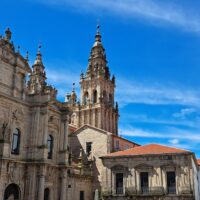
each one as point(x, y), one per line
point(41, 185)
point(65, 142)
point(23, 86)
point(63, 195)
point(45, 134)
point(36, 127)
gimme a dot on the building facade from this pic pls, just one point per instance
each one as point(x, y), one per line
point(52, 150)
point(150, 172)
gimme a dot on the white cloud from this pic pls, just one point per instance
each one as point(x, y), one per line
point(127, 92)
point(174, 141)
point(153, 10)
point(171, 133)
point(151, 93)
point(184, 112)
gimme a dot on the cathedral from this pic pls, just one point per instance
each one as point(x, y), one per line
point(71, 150)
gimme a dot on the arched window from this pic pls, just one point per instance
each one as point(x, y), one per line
point(85, 98)
point(110, 99)
point(12, 192)
point(94, 96)
point(104, 96)
point(46, 194)
point(50, 146)
point(15, 141)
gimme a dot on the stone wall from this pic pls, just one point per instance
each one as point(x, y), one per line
point(156, 166)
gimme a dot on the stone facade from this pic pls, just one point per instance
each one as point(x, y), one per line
point(52, 150)
point(34, 148)
point(157, 167)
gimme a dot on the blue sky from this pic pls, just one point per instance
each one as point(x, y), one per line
point(152, 46)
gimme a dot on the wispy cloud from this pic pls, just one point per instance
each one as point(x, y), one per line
point(171, 133)
point(184, 113)
point(174, 141)
point(128, 92)
point(154, 10)
point(173, 137)
point(63, 77)
point(155, 93)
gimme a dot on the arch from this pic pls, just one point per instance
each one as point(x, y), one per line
point(12, 192)
point(15, 141)
point(110, 99)
point(85, 98)
point(94, 96)
point(104, 96)
point(50, 146)
point(46, 194)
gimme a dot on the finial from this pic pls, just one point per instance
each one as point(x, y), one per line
point(39, 47)
point(73, 87)
point(98, 25)
point(8, 34)
point(27, 56)
point(116, 107)
point(18, 49)
point(98, 34)
point(39, 55)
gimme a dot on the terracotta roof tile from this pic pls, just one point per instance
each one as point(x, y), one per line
point(198, 161)
point(148, 149)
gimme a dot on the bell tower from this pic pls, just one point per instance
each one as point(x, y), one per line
point(97, 105)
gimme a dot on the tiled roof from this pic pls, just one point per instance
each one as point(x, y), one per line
point(198, 161)
point(149, 149)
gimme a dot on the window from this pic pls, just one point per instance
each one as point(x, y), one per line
point(12, 192)
point(171, 182)
point(50, 146)
point(110, 99)
point(85, 98)
point(119, 183)
point(88, 148)
point(144, 182)
point(16, 142)
point(95, 96)
point(46, 194)
point(81, 195)
point(104, 97)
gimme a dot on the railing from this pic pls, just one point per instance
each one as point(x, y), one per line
point(171, 190)
point(145, 190)
point(119, 190)
point(133, 191)
point(155, 191)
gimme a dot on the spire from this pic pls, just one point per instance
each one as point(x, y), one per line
point(73, 95)
point(37, 82)
point(97, 65)
point(8, 34)
point(38, 60)
point(97, 36)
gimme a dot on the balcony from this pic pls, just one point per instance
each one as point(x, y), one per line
point(119, 190)
point(171, 190)
point(145, 190)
